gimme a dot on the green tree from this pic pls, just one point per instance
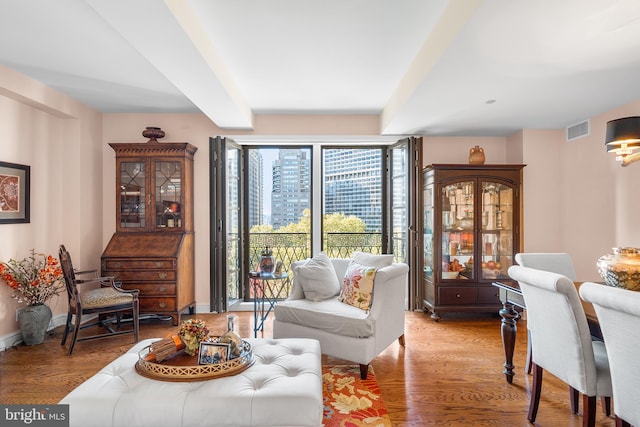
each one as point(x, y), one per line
point(262, 228)
point(333, 223)
point(341, 223)
point(302, 226)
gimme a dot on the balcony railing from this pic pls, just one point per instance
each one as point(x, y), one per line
point(286, 247)
point(343, 245)
point(291, 247)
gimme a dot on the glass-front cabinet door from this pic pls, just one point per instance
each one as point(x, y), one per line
point(133, 195)
point(427, 240)
point(458, 240)
point(150, 195)
point(496, 231)
point(168, 194)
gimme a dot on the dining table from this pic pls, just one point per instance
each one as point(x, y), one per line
point(512, 299)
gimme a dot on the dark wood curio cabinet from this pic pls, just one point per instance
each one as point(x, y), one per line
point(153, 247)
point(471, 234)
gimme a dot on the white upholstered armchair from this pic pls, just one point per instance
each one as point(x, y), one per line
point(345, 331)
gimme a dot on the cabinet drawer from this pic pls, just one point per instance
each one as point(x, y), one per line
point(157, 304)
point(488, 295)
point(142, 275)
point(138, 264)
point(152, 288)
point(458, 295)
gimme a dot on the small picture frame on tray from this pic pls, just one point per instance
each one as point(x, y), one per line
point(212, 353)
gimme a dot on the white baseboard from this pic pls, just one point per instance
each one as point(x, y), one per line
point(242, 306)
point(14, 338)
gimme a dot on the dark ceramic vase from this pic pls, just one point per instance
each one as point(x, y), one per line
point(153, 134)
point(34, 321)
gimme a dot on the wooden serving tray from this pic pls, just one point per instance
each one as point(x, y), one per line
point(183, 367)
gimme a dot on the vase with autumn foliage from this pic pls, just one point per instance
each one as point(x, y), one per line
point(33, 280)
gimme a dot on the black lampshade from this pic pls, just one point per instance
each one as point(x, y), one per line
point(625, 130)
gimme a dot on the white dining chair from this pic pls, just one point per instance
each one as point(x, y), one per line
point(561, 340)
point(555, 262)
point(618, 312)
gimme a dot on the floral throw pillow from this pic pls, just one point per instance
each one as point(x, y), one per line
point(357, 286)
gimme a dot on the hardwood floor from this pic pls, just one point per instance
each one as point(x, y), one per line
point(449, 373)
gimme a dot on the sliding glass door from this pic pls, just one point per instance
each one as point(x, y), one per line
point(404, 166)
point(278, 196)
point(262, 196)
point(226, 224)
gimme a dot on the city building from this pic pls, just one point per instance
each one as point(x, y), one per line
point(291, 190)
point(254, 188)
point(353, 184)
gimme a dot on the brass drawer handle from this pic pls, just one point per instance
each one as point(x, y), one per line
point(117, 264)
point(162, 275)
point(159, 264)
point(162, 288)
point(162, 304)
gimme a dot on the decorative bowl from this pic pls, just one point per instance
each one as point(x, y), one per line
point(491, 273)
point(621, 269)
point(450, 274)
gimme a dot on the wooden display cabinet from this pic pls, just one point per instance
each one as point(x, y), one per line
point(153, 247)
point(471, 234)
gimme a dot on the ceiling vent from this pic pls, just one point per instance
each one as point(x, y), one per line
point(578, 130)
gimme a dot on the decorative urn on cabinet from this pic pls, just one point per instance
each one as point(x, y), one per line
point(621, 269)
point(476, 155)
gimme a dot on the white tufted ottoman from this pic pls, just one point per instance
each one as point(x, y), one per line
point(282, 388)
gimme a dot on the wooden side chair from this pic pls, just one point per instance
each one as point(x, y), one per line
point(561, 340)
point(618, 313)
point(107, 299)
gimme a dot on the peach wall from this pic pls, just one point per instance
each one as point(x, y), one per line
point(577, 198)
point(60, 139)
point(600, 198)
point(439, 149)
point(197, 129)
point(541, 174)
point(571, 189)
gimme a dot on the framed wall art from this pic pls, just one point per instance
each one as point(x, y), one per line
point(15, 181)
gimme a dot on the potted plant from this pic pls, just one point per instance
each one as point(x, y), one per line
point(34, 280)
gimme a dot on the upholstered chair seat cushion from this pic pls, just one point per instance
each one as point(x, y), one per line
point(104, 297)
point(329, 315)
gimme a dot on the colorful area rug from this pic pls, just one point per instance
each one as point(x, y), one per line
point(350, 401)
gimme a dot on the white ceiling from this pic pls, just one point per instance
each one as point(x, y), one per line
point(426, 67)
